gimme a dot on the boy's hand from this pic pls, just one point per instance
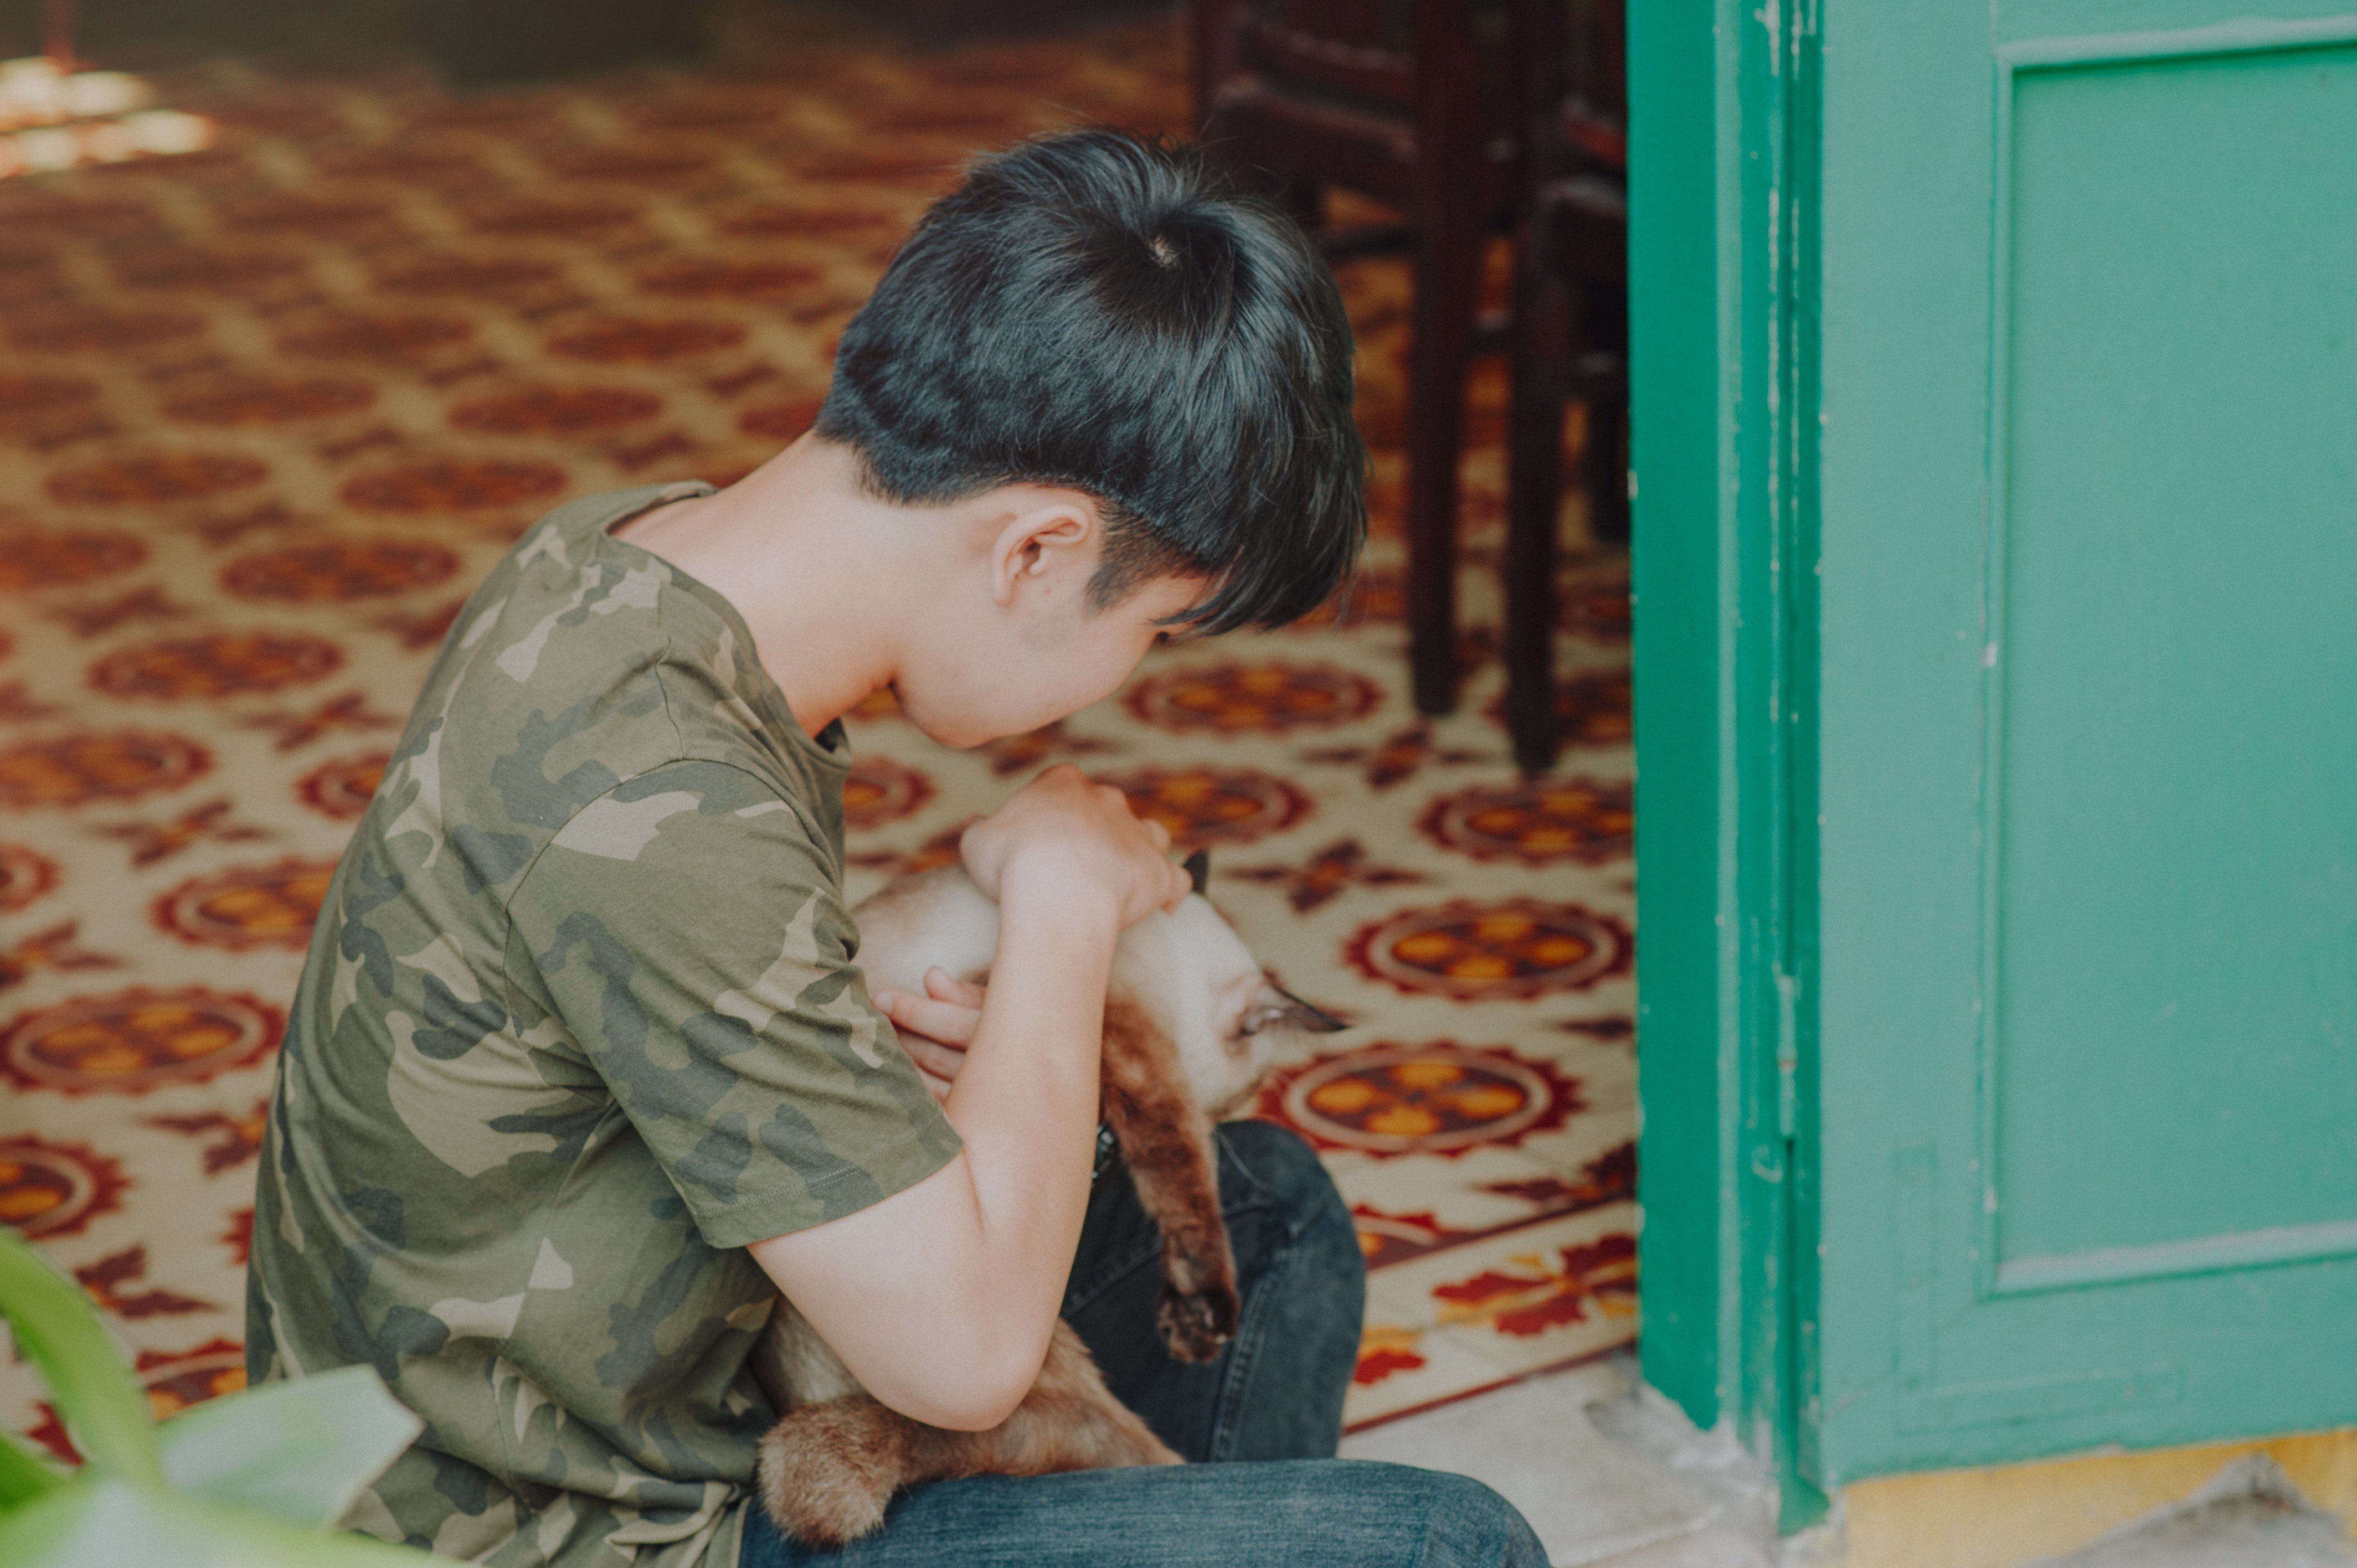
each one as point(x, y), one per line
point(1063, 831)
point(935, 1028)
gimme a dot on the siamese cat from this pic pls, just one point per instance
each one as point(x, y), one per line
point(1191, 1021)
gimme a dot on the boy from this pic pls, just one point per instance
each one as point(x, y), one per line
point(582, 1071)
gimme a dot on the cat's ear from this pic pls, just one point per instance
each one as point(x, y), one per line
point(1274, 1007)
point(1198, 869)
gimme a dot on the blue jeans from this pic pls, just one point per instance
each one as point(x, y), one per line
point(1273, 1396)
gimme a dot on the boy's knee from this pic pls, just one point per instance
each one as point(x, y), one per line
point(1438, 1520)
point(1469, 1525)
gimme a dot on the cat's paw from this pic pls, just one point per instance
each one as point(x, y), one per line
point(1197, 1324)
point(827, 1471)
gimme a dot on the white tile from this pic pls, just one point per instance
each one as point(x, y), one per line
point(1410, 1366)
point(1704, 1549)
point(1587, 1498)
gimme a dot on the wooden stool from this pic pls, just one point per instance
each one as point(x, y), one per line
point(1297, 95)
point(1570, 334)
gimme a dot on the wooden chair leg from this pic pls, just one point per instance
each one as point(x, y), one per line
point(1605, 468)
point(1534, 503)
point(1212, 57)
point(1605, 463)
point(1304, 203)
point(1447, 279)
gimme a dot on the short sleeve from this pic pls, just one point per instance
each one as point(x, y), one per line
point(690, 934)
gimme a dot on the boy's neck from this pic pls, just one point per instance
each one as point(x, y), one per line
point(821, 571)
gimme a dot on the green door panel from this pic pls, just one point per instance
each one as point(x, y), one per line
point(2174, 613)
point(2081, 1025)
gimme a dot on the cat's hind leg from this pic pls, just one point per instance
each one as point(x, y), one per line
point(829, 1470)
point(1070, 1421)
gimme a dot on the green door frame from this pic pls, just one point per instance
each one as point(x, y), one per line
point(1722, 305)
point(1938, 1347)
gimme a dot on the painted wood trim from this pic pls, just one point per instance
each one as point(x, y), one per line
point(1680, 464)
point(2243, 36)
point(1722, 143)
point(2200, 1255)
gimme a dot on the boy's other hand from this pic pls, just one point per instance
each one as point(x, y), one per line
point(935, 1028)
point(1076, 836)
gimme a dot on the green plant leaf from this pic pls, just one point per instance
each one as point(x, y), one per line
point(95, 1521)
point(55, 1324)
point(23, 1475)
point(301, 1450)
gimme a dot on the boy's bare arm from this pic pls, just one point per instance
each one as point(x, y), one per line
point(941, 1298)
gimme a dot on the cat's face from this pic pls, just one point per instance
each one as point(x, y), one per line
point(1194, 976)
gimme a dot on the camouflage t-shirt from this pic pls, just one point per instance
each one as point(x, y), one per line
point(580, 1019)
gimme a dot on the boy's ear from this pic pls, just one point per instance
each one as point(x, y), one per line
point(1046, 534)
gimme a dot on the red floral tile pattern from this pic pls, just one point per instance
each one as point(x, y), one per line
point(128, 1042)
point(374, 337)
point(1204, 806)
point(261, 400)
point(1548, 1291)
point(115, 1282)
point(546, 217)
point(26, 874)
point(454, 484)
point(248, 906)
point(215, 664)
point(1511, 950)
point(644, 339)
point(342, 787)
point(83, 766)
point(231, 1138)
point(52, 1190)
point(25, 399)
point(555, 410)
point(1598, 610)
point(782, 420)
point(880, 790)
point(1536, 823)
point(1232, 697)
point(461, 276)
point(156, 479)
point(57, 558)
point(340, 570)
point(1439, 1099)
point(82, 330)
point(153, 840)
point(59, 950)
point(1591, 709)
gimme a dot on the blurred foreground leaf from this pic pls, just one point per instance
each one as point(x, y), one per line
point(93, 1522)
point(254, 1480)
point(23, 1477)
point(301, 1450)
point(59, 1332)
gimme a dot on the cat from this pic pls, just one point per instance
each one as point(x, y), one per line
point(1191, 1021)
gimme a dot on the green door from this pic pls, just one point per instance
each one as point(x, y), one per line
point(1997, 519)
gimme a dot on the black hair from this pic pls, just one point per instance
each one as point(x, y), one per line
point(1109, 314)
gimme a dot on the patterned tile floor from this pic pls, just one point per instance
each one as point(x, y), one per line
point(266, 412)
